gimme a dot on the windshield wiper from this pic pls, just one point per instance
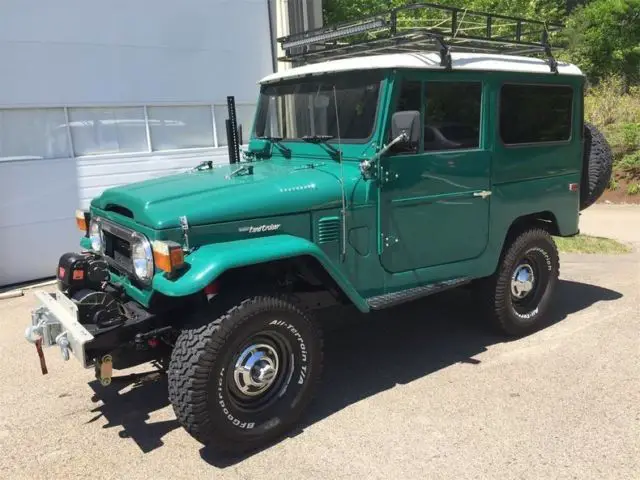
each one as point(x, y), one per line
point(322, 139)
point(317, 138)
point(276, 141)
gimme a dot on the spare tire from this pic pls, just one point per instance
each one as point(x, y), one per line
point(597, 163)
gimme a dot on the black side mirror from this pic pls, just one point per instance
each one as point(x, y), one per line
point(408, 124)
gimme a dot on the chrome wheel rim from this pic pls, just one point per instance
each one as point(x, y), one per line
point(256, 369)
point(522, 281)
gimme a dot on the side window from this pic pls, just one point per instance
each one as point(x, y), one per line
point(535, 113)
point(452, 115)
point(408, 99)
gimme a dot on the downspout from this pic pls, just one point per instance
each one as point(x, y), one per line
point(282, 30)
point(274, 53)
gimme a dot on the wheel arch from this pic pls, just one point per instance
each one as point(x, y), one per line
point(253, 257)
point(545, 219)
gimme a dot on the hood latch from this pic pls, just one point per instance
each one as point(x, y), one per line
point(184, 224)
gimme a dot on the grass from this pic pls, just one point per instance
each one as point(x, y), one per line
point(589, 244)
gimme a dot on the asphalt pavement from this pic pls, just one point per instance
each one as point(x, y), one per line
point(420, 391)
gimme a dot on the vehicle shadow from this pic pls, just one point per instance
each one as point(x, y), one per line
point(128, 403)
point(364, 355)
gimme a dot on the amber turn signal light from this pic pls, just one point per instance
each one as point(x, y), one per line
point(82, 220)
point(168, 256)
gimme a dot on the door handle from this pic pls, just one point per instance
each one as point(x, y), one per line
point(483, 194)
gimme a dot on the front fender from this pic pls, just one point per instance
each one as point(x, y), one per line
point(210, 261)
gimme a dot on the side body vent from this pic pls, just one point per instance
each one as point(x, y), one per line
point(328, 230)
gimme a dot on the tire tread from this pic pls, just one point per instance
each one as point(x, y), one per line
point(494, 290)
point(193, 359)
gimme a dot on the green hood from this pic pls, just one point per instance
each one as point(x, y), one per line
point(211, 196)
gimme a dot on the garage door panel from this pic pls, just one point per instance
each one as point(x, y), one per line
point(38, 190)
point(32, 251)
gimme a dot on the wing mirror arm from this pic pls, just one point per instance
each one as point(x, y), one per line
point(367, 166)
point(405, 128)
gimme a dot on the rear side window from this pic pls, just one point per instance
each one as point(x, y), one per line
point(535, 113)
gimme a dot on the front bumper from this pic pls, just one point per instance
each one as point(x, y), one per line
point(55, 322)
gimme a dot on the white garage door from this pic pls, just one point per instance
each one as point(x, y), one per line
point(95, 95)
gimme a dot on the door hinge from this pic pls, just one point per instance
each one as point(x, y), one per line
point(483, 194)
point(387, 176)
point(389, 240)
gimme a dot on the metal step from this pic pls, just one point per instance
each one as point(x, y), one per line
point(387, 300)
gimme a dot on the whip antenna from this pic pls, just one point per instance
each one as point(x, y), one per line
point(344, 202)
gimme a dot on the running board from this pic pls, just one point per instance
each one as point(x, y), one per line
point(383, 301)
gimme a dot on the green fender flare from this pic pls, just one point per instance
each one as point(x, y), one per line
point(210, 261)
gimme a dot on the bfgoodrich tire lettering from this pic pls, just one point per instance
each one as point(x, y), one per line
point(213, 395)
point(518, 295)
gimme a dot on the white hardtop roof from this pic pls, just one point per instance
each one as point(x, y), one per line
point(427, 60)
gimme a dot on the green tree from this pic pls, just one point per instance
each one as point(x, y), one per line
point(604, 38)
point(550, 10)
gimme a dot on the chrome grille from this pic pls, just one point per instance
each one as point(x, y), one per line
point(117, 245)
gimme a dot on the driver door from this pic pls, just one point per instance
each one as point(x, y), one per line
point(434, 200)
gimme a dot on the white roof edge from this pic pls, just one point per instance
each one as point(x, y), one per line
point(427, 60)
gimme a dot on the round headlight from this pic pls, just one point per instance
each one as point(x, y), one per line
point(142, 258)
point(95, 235)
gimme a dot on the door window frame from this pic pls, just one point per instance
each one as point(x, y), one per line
point(431, 76)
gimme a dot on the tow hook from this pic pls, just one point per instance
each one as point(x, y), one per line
point(104, 370)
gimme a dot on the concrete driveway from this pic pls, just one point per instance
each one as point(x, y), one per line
point(422, 391)
point(621, 222)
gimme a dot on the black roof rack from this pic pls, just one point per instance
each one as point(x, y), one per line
point(424, 26)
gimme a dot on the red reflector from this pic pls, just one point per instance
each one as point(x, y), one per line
point(211, 289)
point(573, 187)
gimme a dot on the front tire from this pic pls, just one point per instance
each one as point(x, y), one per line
point(243, 379)
point(518, 295)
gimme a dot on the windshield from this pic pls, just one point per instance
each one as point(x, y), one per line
point(307, 108)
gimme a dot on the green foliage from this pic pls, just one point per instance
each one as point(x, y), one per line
point(603, 102)
point(344, 10)
point(604, 38)
point(630, 164)
point(633, 189)
point(613, 184)
point(631, 135)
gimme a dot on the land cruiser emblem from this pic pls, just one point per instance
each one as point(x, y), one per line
point(260, 228)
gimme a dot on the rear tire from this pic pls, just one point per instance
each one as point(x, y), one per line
point(518, 295)
point(243, 379)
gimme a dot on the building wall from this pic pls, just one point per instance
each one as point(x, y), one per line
point(94, 95)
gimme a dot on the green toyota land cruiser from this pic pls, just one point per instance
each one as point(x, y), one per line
point(368, 180)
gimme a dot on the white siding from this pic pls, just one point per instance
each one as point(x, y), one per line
point(71, 52)
point(89, 95)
